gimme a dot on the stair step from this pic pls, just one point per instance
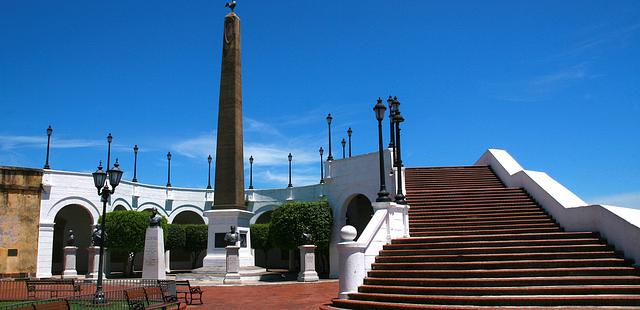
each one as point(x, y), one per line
point(495, 237)
point(339, 304)
point(426, 223)
point(386, 257)
point(518, 290)
point(493, 244)
point(499, 273)
point(499, 210)
point(511, 231)
point(539, 300)
point(507, 264)
point(453, 208)
point(506, 281)
point(495, 248)
point(470, 219)
point(478, 215)
point(474, 226)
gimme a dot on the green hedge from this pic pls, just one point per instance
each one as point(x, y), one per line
point(260, 238)
point(293, 219)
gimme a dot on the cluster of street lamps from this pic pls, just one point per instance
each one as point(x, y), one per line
point(395, 118)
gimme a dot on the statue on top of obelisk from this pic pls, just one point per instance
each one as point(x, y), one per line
point(229, 179)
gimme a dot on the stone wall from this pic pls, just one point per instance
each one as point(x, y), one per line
point(20, 190)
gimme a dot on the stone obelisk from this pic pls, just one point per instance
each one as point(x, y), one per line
point(228, 202)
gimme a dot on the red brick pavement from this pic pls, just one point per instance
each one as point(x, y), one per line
point(275, 296)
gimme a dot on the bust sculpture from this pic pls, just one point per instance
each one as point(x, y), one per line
point(71, 239)
point(232, 236)
point(307, 238)
point(96, 236)
point(155, 218)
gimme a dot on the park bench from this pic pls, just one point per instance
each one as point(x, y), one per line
point(53, 286)
point(51, 305)
point(150, 298)
point(184, 288)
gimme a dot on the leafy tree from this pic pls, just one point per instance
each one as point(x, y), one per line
point(196, 237)
point(260, 236)
point(260, 239)
point(176, 237)
point(126, 233)
point(293, 219)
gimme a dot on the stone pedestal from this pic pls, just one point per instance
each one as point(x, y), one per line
point(94, 261)
point(307, 264)
point(219, 224)
point(70, 262)
point(153, 261)
point(233, 265)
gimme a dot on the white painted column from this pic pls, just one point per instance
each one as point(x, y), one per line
point(45, 250)
point(351, 260)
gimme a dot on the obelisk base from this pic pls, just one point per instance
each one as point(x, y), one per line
point(220, 222)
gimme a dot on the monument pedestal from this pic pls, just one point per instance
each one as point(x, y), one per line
point(233, 265)
point(153, 261)
point(70, 262)
point(219, 223)
point(94, 261)
point(307, 264)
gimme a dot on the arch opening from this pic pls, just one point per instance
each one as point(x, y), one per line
point(359, 213)
point(78, 219)
point(181, 259)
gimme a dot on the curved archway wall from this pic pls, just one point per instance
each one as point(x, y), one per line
point(359, 212)
point(77, 218)
point(344, 178)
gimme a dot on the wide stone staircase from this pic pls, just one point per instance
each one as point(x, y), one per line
point(476, 244)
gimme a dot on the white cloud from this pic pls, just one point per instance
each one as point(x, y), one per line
point(14, 142)
point(196, 147)
point(275, 155)
point(630, 200)
point(283, 178)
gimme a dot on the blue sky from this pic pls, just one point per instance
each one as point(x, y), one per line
point(554, 83)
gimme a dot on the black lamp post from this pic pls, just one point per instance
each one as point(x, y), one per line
point(343, 142)
point(209, 178)
point(349, 132)
point(100, 178)
point(394, 106)
point(169, 169)
point(251, 172)
point(49, 132)
point(321, 166)
point(383, 195)
point(135, 162)
point(400, 199)
point(392, 111)
point(329, 118)
point(290, 158)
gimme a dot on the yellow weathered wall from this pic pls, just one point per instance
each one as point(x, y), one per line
point(20, 190)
